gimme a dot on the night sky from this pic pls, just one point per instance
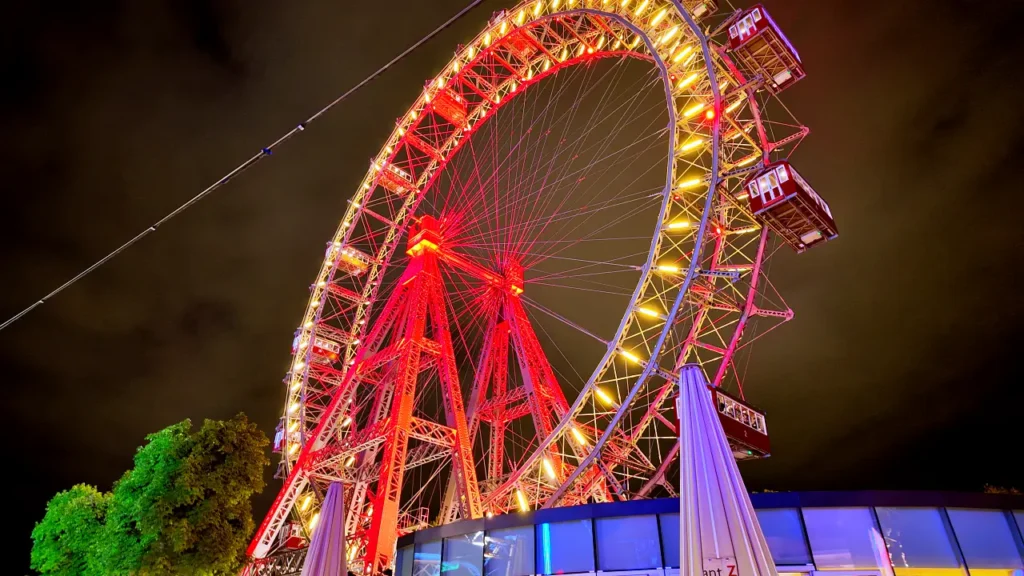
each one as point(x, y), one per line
point(900, 369)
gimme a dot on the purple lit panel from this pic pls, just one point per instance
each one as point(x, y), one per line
point(986, 538)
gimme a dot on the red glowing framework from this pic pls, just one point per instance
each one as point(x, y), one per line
point(429, 134)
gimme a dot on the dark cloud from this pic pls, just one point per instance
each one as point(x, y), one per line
point(898, 371)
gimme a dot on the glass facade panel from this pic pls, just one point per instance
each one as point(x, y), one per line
point(427, 559)
point(403, 562)
point(784, 532)
point(670, 539)
point(845, 539)
point(565, 547)
point(627, 543)
point(509, 552)
point(987, 541)
point(464, 555)
point(918, 541)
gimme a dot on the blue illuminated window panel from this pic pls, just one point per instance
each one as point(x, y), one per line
point(565, 547)
point(986, 539)
point(509, 552)
point(628, 543)
point(784, 532)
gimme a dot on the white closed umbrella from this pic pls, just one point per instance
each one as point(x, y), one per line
point(326, 553)
point(719, 532)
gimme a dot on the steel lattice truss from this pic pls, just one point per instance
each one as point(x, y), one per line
point(423, 375)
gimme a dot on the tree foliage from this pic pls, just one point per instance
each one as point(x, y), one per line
point(184, 507)
point(65, 541)
point(990, 489)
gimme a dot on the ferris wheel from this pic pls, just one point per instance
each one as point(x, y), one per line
point(582, 201)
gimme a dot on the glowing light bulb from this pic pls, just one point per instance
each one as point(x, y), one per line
point(682, 53)
point(293, 426)
point(678, 225)
point(687, 81)
point(693, 110)
point(293, 407)
point(346, 421)
point(657, 17)
point(604, 396)
point(293, 448)
point(669, 35)
point(312, 523)
point(351, 460)
point(306, 502)
point(696, 142)
point(648, 312)
point(630, 356)
point(669, 269)
point(690, 183)
point(524, 506)
point(579, 436)
point(549, 469)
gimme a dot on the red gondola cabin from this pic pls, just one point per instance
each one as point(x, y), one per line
point(782, 200)
point(451, 107)
point(395, 179)
point(293, 536)
point(759, 47)
point(744, 426)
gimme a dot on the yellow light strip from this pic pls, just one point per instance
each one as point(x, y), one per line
point(604, 396)
point(687, 81)
point(682, 53)
point(648, 312)
point(579, 436)
point(523, 505)
point(691, 183)
point(549, 469)
point(630, 356)
point(691, 144)
point(693, 110)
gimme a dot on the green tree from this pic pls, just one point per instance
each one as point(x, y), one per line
point(65, 541)
point(184, 507)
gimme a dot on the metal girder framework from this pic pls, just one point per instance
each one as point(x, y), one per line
point(701, 296)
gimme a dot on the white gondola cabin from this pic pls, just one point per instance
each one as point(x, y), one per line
point(759, 47)
point(322, 349)
point(284, 440)
point(782, 200)
point(350, 261)
point(701, 8)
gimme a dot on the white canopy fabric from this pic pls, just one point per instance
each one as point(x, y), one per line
point(326, 553)
point(719, 532)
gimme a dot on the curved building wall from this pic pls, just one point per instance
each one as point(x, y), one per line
point(839, 533)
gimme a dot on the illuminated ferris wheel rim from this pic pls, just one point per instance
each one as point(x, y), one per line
point(645, 49)
point(662, 27)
